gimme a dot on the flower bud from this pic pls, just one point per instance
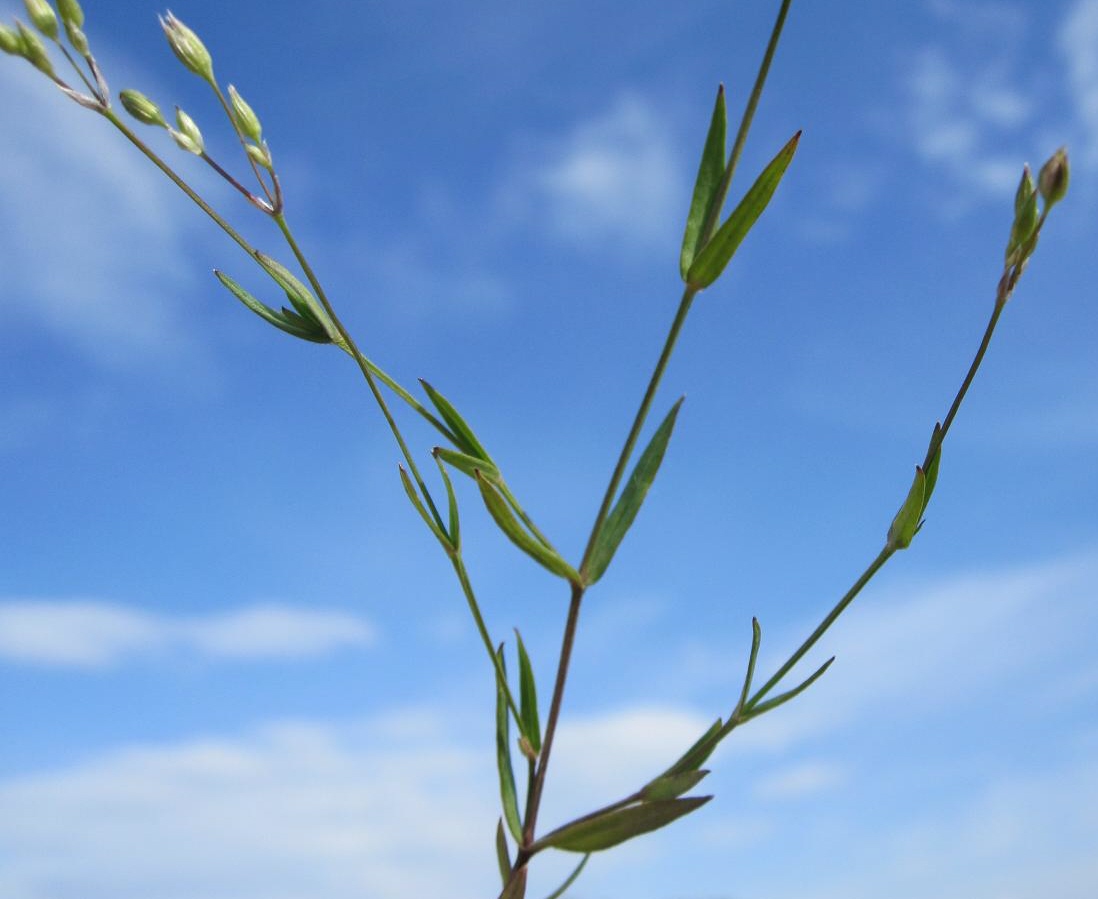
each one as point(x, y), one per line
point(142, 108)
point(184, 142)
point(10, 41)
point(77, 38)
point(71, 13)
point(189, 129)
point(246, 120)
point(187, 47)
point(42, 17)
point(1052, 182)
point(34, 51)
point(1025, 190)
point(261, 156)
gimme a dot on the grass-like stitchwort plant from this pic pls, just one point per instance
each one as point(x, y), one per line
point(526, 722)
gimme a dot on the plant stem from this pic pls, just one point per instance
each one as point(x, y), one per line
point(638, 422)
point(875, 566)
point(110, 115)
point(534, 802)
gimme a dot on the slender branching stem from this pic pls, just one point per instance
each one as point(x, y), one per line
point(638, 421)
point(533, 805)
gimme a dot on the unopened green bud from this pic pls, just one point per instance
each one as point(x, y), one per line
point(42, 17)
point(34, 51)
point(189, 130)
point(71, 13)
point(246, 119)
point(1052, 182)
point(1025, 219)
point(10, 41)
point(1025, 190)
point(142, 108)
point(187, 47)
point(77, 38)
point(260, 155)
point(184, 142)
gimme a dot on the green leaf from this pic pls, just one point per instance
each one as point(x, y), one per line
point(295, 325)
point(614, 827)
point(762, 707)
point(300, 297)
point(413, 497)
point(563, 888)
point(528, 697)
point(716, 254)
point(906, 522)
point(932, 466)
point(544, 555)
point(707, 186)
point(695, 756)
point(756, 641)
point(671, 786)
point(467, 464)
point(508, 795)
point(466, 440)
point(625, 510)
point(503, 854)
point(454, 520)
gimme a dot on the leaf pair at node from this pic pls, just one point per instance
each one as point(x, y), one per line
point(706, 249)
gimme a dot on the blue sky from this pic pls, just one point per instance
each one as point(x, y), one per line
point(234, 664)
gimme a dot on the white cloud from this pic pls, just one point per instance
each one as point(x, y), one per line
point(92, 245)
point(800, 780)
point(613, 179)
point(1078, 42)
point(960, 117)
point(97, 634)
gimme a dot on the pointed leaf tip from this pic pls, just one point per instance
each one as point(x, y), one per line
point(625, 510)
point(718, 252)
point(707, 196)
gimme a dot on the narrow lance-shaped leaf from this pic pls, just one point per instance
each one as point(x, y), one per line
point(614, 827)
point(285, 320)
point(671, 786)
point(708, 183)
point(413, 497)
point(762, 707)
point(625, 510)
point(571, 879)
point(716, 254)
point(501, 513)
point(528, 697)
point(696, 755)
point(503, 855)
point(467, 464)
point(932, 466)
point(300, 297)
point(454, 518)
point(906, 522)
point(466, 440)
point(508, 795)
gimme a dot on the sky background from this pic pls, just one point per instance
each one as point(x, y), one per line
point(235, 665)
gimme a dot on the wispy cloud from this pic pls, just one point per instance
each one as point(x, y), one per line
point(612, 180)
point(1078, 42)
point(79, 202)
point(98, 634)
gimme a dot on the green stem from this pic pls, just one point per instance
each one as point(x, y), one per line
point(110, 115)
point(1000, 305)
point(275, 199)
point(875, 566)
point(534, 799)
point(360, 360)
point(638, 422)
point(748, 117)
point(482, 629)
